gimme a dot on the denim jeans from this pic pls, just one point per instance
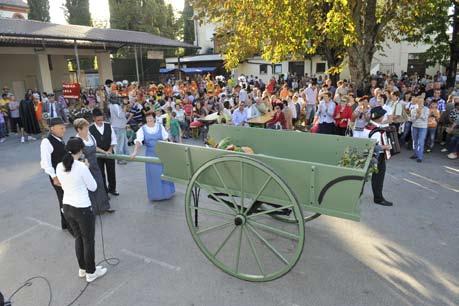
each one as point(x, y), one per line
point(406, 132)
point(419, 138)
point(122, 142)
point(430, 139)
point(453, 146)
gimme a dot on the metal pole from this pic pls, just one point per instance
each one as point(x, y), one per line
point(136, 65)
point(179, 71)
point(142, 159)
point(75, 48)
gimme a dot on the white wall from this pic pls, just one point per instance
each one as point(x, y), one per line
point(9, 14)
point(397, 54)
point(204, 34)
point(19, 68)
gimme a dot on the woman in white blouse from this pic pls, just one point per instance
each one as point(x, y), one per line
point(76, 180)
point(150, 133)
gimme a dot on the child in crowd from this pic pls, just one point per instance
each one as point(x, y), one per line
point(130, 134)
point(175, 130)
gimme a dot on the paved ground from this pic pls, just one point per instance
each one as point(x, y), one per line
point(404, 255)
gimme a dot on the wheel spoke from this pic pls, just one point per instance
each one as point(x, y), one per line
point(214, 227)
point(242, 186)
point(274, 230)
point(258, 194)
point(276, 252)
point(224, 186)
point(224, 242)
point(238, 253)
point(254, 251)
point(270, 211)
point(212, 212)
point(216, 197)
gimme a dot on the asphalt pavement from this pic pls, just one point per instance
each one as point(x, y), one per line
point(407, 254)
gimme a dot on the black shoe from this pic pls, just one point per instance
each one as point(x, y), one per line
point(413, 157)
point(110, 211)
point(419, 160)
point(115, 193)
point(384, 202)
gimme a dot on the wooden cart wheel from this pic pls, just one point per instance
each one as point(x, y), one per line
point(235, 235)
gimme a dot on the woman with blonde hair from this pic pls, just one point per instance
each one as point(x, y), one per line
point(99, 197)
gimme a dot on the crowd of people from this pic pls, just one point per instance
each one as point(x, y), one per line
point(421, 109)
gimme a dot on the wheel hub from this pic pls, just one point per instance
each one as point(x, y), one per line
point(239, 220)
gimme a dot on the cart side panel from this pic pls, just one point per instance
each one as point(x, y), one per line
point(316, 148)
point(329, 190)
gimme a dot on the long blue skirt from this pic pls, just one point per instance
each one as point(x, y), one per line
point(157, 188)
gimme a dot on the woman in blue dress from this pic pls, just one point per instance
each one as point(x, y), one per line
point(150, 133)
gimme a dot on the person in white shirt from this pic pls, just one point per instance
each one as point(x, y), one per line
point(52, 151)
point(76, 180)
point(118, 120)
point(239, 117)
point(311, 101)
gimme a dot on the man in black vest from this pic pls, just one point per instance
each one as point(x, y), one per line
point(106, 140)
point(52, 150)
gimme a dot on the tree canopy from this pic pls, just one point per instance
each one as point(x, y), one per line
point(152, 16)
point(77, 12)
point(288, 29)
point(38, 10)
point(187, 24)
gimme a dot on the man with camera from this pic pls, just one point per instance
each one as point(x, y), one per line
point(118, 120)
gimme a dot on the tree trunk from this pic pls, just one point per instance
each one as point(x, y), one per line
point(454, 50)
point(361, 53)
point(334, 60)
point(360, 66)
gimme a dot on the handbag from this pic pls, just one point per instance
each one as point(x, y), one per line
point(348, 131)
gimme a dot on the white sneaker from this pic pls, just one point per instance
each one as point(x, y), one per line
point(22, 139)
point(444, 150)
point(82, 273)
point(100, 271)
point(31, 138)
point(452, 155)
point(2, 140)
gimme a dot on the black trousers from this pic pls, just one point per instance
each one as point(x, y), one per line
point(340, 131)
point(326, 128)
point(83, 221)
point(109, 166)
point(60, 196)
point(377, 179)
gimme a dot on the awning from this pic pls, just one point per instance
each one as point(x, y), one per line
point(20, 28)
point(167, 70)
point(191, 70)
point(198, 70)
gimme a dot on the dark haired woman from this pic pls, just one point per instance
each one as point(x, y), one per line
point(278, 121)
point(150, 133)
point(76, 180)
point(28, 117)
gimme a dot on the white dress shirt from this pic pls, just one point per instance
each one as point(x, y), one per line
point(101, 131)
point(46, 149)
point(140, 136)
point(76, 184)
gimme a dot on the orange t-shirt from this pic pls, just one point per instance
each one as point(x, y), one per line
point(39, 110)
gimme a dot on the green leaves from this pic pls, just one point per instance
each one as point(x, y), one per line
point(38, 10)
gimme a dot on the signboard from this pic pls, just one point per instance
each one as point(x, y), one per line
point(153, 54)
point(71, 90)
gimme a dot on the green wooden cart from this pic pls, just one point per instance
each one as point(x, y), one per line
point(246, 212)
